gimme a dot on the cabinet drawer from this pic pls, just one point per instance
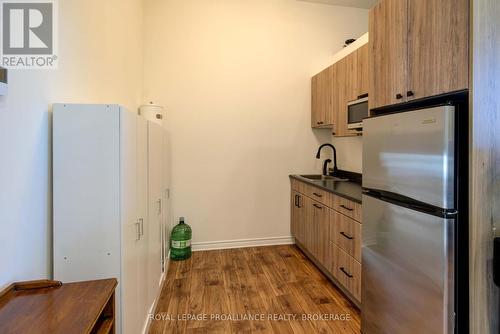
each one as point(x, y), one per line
point(346, 234)
point(319, 195)
point(346, 270)
point(347, 207)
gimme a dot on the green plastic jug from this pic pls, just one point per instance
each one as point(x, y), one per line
point(180, 241)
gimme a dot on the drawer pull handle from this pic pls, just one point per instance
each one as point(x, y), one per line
point(345, 207)
point(346, 273)
point(317, 206)
point(346, 236)
point(317, 195)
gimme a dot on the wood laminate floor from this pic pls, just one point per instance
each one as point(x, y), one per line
point(251, 290)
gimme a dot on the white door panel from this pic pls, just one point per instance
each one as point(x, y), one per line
point(142, 213)
point(155, 205)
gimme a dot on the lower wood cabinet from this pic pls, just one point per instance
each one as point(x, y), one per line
point(346, 234)
point(331, 237)
point(297, 216)
point(319, 219)
point(346, 270)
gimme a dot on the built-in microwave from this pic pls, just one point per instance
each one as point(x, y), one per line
point(357, 111)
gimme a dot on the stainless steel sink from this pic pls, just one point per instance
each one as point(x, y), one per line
point(319, 177)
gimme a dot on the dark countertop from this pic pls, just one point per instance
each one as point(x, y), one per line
point(347, 189)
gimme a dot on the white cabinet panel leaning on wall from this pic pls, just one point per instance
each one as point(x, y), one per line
point(109, 204)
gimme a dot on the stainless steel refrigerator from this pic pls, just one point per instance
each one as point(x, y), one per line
point(410, 212)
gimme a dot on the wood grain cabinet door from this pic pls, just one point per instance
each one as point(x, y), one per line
point(328, 97)
point(362, 71)
point(298, 216)
point(340, 97)
point(316, 112)
point(321, 99)
point(351, 82)
point(388, 52)
point(319, 231)
point(306, 235)
point(438, 47)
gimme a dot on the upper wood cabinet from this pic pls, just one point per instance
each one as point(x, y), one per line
point(334, 87)
point(350, 82)
point(321, 99)
point(362, 71)
point(438, 47)
point(388, 28)
point(341, 86)
point(351, 77)
point(357, 73)
point(418, 48)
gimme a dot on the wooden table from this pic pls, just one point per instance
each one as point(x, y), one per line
point(52, 307)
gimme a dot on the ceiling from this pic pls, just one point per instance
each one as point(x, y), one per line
point(349, 3)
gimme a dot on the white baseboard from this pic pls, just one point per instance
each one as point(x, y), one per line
point(147, 323)
point(241, 243)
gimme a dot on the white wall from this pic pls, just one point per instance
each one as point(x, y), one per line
point(234, 77)
point(100, 62)
point(349, 153)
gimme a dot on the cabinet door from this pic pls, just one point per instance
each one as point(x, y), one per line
point(362, 71)
point(142, 214)
point(328, 97)
point(306, 233)
point(298, 217)
point(155, 207)
point(319, 231)
point(388, 52)
point(167, 211)
point(438, 47)
point(340, 97)
point(316, 112)
point(130, 228)
point(321, 99)
point(351, 82)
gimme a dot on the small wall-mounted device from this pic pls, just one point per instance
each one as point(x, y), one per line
point(3, 81)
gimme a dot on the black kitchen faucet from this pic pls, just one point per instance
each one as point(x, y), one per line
point(325, 165)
